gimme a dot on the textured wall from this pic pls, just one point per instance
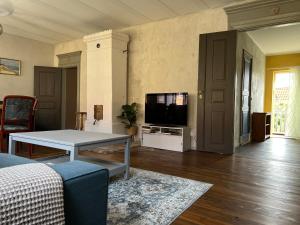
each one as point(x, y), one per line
point(74, 46)
point(258, 79)
point(163, 57)
point(31, 53)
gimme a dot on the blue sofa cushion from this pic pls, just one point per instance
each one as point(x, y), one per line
point(7, 160)
point(75, 169)
point(85, 192)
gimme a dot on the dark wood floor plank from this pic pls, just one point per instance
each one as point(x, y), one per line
point(259, 185)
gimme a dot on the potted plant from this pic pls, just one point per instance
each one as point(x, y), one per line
point(128, 117)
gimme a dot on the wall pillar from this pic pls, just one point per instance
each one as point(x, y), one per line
point(106, 79)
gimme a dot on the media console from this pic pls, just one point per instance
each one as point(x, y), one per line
point(166, 137)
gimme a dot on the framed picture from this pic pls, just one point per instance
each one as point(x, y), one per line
point(10, 67)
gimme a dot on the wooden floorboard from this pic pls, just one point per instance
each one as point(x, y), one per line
point(259, 185)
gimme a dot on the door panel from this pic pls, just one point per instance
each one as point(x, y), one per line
point(217, 124)
point(47, 89)
point(218, 57)
point(71, 98)
point(246, 98)
point(219, 61)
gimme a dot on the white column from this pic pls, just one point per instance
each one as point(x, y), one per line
point(106, 79)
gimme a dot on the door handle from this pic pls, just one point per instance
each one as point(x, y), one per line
point(201, 94)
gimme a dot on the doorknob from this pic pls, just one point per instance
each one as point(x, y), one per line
point(201, 94)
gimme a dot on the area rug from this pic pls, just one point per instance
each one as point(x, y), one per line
point(108, 149)
point(150, 198)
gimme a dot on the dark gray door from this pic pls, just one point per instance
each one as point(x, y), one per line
point(217, 69)
point(47, 89)
point(246, 98)
point(71, 98)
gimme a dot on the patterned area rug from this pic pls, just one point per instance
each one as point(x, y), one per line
point(150, 198)
point(108, 149)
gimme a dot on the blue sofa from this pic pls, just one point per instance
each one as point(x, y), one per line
point(85, 189)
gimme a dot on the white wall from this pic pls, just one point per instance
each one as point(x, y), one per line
point(31, 53)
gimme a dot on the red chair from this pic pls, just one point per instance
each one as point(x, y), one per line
point(17, 116)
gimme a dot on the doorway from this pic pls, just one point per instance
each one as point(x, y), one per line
point(70, 64)
point(57, 92)
point(285, 103)
point(280, 99)
point(69, 97)
point(245, 124)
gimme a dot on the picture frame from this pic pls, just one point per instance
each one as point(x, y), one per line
point(10, 67)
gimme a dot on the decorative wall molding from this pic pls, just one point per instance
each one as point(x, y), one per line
point(69, 59)
point(262, 13)
point(106, 40)
point(107, 34)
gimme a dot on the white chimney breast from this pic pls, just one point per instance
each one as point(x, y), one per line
point(106, 79)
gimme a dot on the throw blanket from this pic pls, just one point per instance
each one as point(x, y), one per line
point(31, 194)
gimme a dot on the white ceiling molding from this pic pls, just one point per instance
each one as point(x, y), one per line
point(263, 13)
point(68, 60)
point(107, 34)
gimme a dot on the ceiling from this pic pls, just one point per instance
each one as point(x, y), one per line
point(278, 40)
point(55, 21)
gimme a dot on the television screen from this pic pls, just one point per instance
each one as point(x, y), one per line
point(166, 109)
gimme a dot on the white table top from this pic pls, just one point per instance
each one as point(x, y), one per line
point(70, 137)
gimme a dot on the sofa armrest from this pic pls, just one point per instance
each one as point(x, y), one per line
point(85, 192)
point(7, 160)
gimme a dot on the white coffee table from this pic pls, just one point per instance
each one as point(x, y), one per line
point(74, 141)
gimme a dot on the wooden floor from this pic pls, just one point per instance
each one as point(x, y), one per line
point(259, 185)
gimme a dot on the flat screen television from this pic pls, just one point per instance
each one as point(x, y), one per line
point(166, 109)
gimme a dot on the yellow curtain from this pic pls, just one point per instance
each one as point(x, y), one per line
point(293, 111)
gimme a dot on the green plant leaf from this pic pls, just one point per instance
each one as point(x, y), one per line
point(129, 114)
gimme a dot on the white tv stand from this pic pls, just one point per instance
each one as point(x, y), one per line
point(166, 137)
